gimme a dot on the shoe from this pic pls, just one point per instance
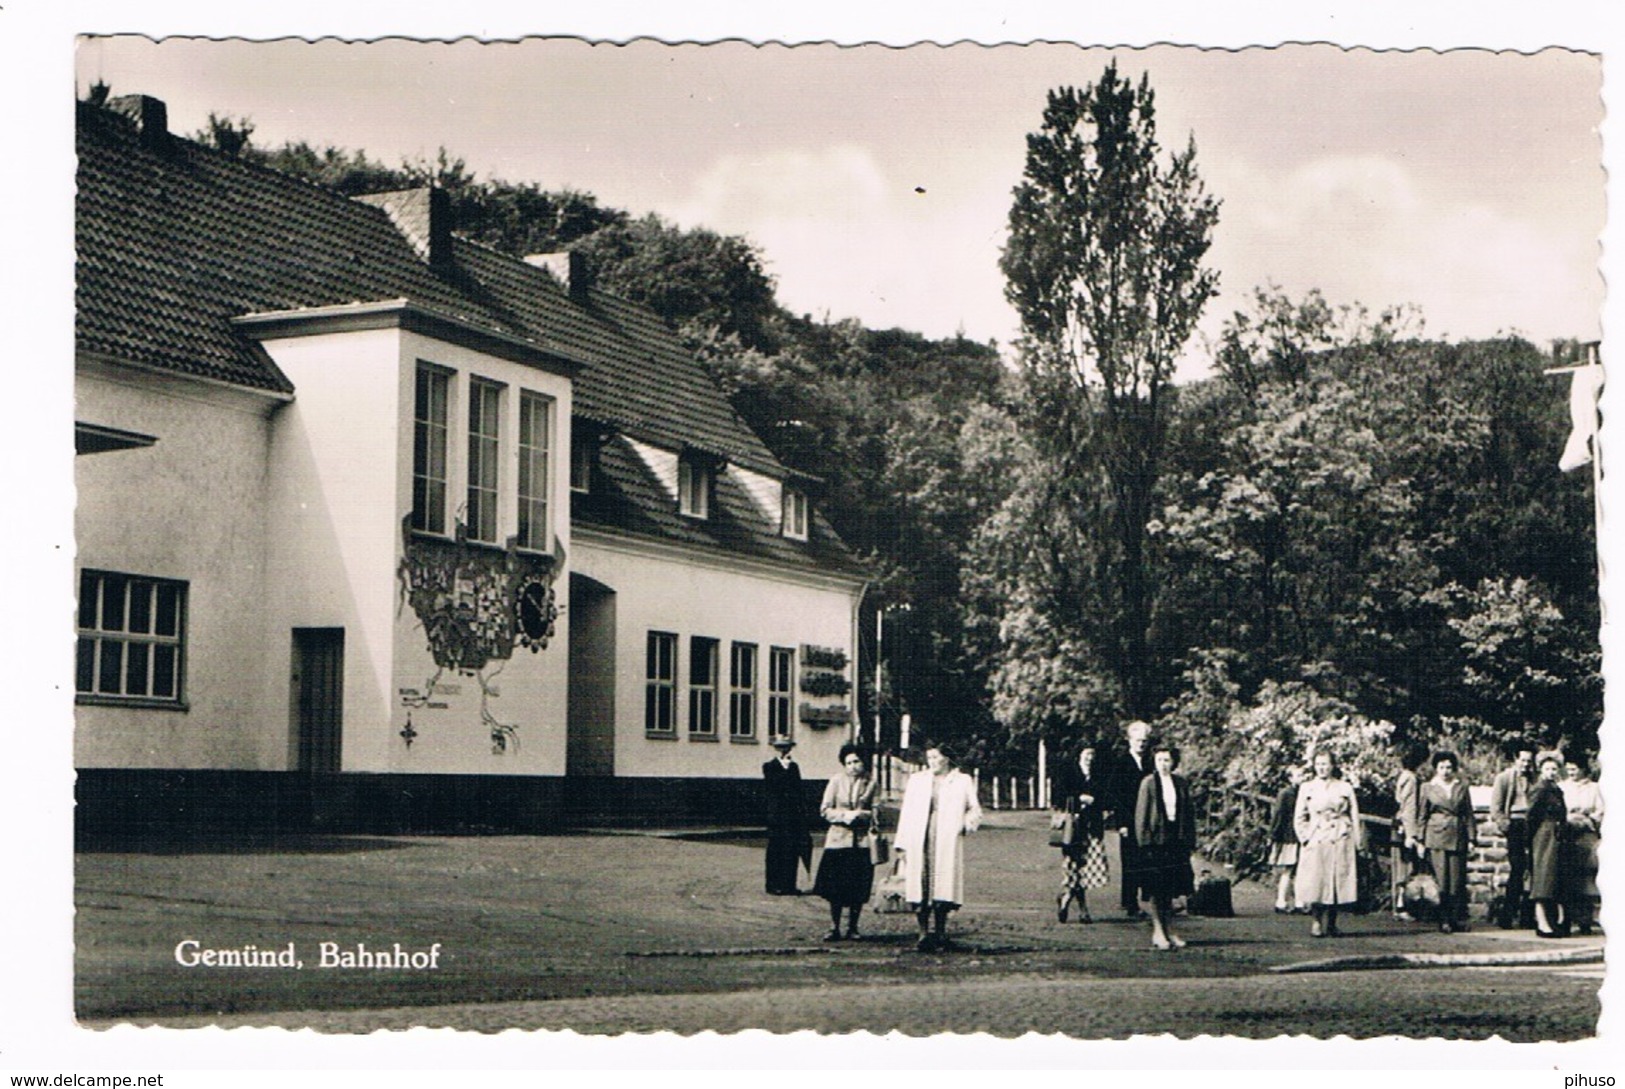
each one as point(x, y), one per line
point(852, 935)
point(833, 936)
point(926, 944)
point(1087, 918)
point(1547, 934)
point(1177, 943)
point(1282, 909)
point(1062, 902)
point(1162, 944)
point(1333, 932)
point(1584, 929)
point(1446, 928)
point(1462, 928)
point(1315, 931)
point(1404, 917)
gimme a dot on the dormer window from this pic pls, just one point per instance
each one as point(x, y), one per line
point(694, 478)
point(795, 513)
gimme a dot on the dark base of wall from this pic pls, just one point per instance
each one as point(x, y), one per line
point(145, 802)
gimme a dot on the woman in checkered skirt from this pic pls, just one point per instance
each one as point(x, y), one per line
point(1080, 791)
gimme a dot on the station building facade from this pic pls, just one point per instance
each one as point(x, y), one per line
point(380, 527)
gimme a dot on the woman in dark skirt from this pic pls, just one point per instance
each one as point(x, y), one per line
point(1548, 828)
point(845, 873)
point(1165, 828)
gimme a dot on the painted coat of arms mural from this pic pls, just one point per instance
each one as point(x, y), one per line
point(477, 603)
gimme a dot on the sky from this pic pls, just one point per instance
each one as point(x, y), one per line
point(877, 181)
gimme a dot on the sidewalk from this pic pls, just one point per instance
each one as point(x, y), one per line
point(585, 917)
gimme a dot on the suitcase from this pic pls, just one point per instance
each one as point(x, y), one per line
point(1211, 898)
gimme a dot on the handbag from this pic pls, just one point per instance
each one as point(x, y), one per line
point(891, 891)
point(1065, 834)
point(879, 849)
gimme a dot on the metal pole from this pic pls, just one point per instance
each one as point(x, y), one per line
point(880, 634)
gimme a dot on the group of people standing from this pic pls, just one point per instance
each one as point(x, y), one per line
point(939, 808)
point(1136, 793)
point(1549, 810)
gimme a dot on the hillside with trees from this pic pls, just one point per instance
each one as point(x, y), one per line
point(1348, 536)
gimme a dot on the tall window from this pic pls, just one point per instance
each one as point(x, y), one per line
point(534, 439)
point(429, 450)
point(693, 488)
point(660, 685)
point(781, 673)
point(795, 514)
point(742, 692)
point(131, 636)
point(702, 687)
point(484, 441)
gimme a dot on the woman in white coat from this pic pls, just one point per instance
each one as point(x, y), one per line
point(939, 808)
point(1328, 827)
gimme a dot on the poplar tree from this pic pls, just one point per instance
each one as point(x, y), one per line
point(1104, 267)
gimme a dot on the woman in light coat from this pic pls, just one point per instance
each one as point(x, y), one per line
point(1328, 827)
point(1583, 797)
point(1449, 833)
point(939, 808)
point(845, 872)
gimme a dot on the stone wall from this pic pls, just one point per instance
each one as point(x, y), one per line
point(1487, 867)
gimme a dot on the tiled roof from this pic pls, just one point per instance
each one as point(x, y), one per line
point(174, 242)
point(627, 497)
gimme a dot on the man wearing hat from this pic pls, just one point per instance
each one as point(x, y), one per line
point(789, 840)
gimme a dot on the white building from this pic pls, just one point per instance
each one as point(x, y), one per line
point(379, 526)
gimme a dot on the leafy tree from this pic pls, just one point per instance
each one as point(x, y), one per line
point(1104, 268)
point(1523, 663)
point(230, 135)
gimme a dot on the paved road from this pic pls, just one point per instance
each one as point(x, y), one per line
point(605, 933)
point(1447, 1004)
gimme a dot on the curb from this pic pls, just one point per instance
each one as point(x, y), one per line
point(1445, 960)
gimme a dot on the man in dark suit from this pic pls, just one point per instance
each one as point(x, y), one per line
point(1131, 766)
point(789, 839)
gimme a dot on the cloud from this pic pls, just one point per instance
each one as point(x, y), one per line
point(831, 184)
point(1362, 229)
point(846, 239)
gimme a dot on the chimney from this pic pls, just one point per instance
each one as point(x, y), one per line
point(424, 217)
point(150, 115)
point(569, 268)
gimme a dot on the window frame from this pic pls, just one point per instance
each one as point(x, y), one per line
point(430, 492)
point(742, 684)
point(94, 639)
point(535, 471)
point(694, 482)
point(781, 701)
point(796, 515)
point(482, 485)
point(704, 668)
point(660, 686)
